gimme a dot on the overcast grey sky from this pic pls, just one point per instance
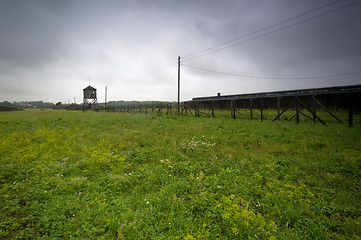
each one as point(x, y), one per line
point(50, 49)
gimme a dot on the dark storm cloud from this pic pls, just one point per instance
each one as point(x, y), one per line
point(50, 45)
point(31, 34)
point(323, 46)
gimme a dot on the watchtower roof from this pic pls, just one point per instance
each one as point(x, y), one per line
point(89, 88)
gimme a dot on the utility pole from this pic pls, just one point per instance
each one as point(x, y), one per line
point(105, 102)
point(178, 85)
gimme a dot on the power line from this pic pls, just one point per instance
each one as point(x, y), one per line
point(262, 77)
point(200, 54)
point(162, 67)
point(262, 29)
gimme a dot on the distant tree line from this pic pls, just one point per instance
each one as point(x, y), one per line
point(27, 104)
point(111, 105)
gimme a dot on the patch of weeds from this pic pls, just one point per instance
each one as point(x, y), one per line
point(131, 176)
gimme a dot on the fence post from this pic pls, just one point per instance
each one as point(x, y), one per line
point(212, 109)
point(297, 110)
point(233, 109)
point(314, 108)
point(350, 110)
point(278, 106)
point(250, 108)
point(261, 109)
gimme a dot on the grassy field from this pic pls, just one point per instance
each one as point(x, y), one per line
point(74, 175)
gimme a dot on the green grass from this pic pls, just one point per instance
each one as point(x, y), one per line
point(74, 175)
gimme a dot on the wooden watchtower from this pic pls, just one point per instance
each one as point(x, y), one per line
point(90, 98)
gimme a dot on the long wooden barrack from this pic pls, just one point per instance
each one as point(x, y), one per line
point(300, 100)
point(288, 93)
